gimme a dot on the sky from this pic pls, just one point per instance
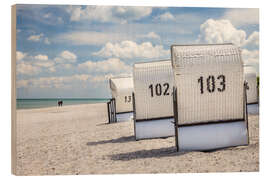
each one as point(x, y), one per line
point(70, 51)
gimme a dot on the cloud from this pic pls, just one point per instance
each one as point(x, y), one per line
point(48, 82)
point(27, 69)
point(114, 65)
point(250, 57)
point(90, 37)
point(39, 38)
point(47, 15)
point(240, 17)
point(151, 35)
point(66, 57)
point(221, 31)
point(46, 41)
point(253, 41)
point(41, 57)
point(32, 65)
point(44, 64)
point(62, 81)
point(165, 17)
point(20, 55)
point(130, 49)
point(22, 83)
point(115, 14)
point(35, 38)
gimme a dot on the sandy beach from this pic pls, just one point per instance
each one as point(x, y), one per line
point(76, 139)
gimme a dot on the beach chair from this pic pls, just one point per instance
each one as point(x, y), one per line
point(152, 99)
point(111, 110)
point(252, 88)
point(209, 97)
point(120, 106)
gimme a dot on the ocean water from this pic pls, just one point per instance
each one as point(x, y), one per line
point(41, 103)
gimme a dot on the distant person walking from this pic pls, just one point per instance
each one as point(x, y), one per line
point(60, 103)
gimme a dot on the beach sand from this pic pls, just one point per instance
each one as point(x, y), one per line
point(77, 140)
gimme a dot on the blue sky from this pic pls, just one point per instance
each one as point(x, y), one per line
point(72, 51)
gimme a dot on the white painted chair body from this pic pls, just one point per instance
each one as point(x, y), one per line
point(210, 105)
point(121, 89)
point(153, 106)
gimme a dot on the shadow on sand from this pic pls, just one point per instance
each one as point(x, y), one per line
point(117, 140)
point(153, 153)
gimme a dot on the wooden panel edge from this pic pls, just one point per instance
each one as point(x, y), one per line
point(13, 92)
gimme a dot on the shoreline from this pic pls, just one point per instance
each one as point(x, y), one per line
point(34, 108)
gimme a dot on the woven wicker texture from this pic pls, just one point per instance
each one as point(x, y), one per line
point(153, 85)
point(251, 78)
point(121, 89)
point(209, 81)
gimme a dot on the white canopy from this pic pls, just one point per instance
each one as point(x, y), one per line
point(121, 89)
point(153, 84)
point(209, 81)
point(210, 96)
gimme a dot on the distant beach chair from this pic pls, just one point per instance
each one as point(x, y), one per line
point(152, 99)
point(120, 106)
point(209, 97)
point(252, 90)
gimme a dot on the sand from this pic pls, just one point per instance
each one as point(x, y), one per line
point(77, 140)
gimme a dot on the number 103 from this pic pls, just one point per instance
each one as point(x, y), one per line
point(211, 83)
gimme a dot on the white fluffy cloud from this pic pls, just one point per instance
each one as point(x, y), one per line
point(50, 82)
point(66, 57)
point(47, 41)
point(114, 65)
point(252, 41)
point(39, 38)
point(130, 49)
point(90, 37)
point(221, 31)
point(27, 69)
point(165, 17)
point(250, 57)
point(44, 64)
point(115, 14)
point(151, 35)
point(35, 38)
point(62, 81)
point(20, 55)
point(41, 57)
point(240, 17)
point(32, 65)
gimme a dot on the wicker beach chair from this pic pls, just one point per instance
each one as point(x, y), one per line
point(120, 106)
point(209, 97)
point(152, 99)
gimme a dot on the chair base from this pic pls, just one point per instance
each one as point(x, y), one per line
point(157, 128)
point(120, 117)
point(253, 108)
point(212, 136)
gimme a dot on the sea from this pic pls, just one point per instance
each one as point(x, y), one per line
point(42, 103)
